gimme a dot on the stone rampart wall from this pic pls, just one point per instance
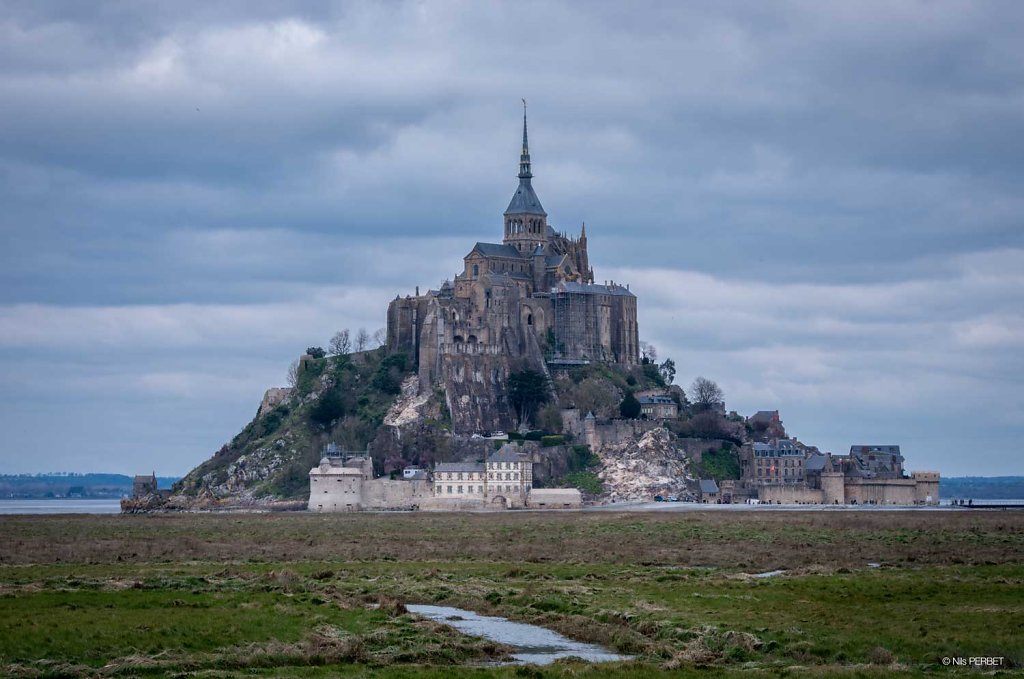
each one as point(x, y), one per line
point(396, 493)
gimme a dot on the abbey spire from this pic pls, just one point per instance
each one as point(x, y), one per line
point(526, 224)
point(524, 157)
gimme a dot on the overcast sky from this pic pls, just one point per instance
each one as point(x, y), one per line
point(819, 205)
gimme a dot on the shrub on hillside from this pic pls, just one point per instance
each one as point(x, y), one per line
point(630, 407)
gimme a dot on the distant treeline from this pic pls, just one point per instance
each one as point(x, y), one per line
point(983, 487)
point(71, 485)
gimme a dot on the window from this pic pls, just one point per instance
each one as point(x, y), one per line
point(476, 270)
point(460, 490)
point(449, 491)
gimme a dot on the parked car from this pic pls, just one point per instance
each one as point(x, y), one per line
point(658, 498)
point(673, 498)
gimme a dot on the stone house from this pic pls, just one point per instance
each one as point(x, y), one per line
point(143, 485)
point(766, 425)
point(709, 493)
point(775, 462)
point(504, 479)
point(658, 407)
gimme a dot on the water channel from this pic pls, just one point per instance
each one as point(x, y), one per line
point(533, 644)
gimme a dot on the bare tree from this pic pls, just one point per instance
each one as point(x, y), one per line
point(362, 339)
point(341, 343)
point(648, 354)
point(380, 337)
point(293, 374)
point(705, 394)
point(668, 370)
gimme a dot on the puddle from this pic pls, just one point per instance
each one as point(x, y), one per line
point(768, 574)
point(533, 644)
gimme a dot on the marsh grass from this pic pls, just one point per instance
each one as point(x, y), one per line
point(674, 593)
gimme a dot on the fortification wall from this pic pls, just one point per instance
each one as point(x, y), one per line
point(927, 489)
point(881, 492)
point(451, 504)
point(615, 432)
point(790, 495)
point(396, 494)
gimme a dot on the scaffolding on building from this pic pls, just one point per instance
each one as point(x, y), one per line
point(575, 332)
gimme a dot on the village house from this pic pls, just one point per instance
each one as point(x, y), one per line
point(778, 461)
point(658, 407)
point(504, 479)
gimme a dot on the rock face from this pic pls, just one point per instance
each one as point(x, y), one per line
point(637, 469)
point(410, 404)
point(272, 398)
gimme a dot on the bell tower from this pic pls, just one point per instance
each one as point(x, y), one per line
point(526, 223)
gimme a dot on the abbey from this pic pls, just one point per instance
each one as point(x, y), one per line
point(527, 302)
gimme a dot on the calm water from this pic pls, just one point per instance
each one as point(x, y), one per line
point(533, 644)
point(61, 506)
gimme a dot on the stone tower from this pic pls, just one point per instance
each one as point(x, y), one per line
point(526, 223)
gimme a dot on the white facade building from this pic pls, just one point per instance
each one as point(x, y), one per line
point(505, 478)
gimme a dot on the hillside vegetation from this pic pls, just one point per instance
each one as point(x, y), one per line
point(344, 399)
point(341, 399)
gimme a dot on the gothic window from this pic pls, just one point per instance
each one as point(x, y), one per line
point(529, 319)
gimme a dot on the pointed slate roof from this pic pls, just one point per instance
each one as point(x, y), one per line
point(525, 200)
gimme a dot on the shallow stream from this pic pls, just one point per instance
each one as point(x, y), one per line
point(533, 644)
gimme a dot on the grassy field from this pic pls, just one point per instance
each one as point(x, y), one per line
point(297, 595)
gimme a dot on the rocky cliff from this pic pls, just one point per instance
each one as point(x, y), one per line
point(378, 403)
point(642, 467)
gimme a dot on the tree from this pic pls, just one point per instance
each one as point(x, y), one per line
point(527, 390)
point(329, 407)
point(341, 343)
point(648, 354)
point(595, 395)
point(316, 352)
point(705, 394)
point(549, 418)
point(668, 370)
point(630, 407)
point(362, 339)
point(380, 337)
point(293, 374)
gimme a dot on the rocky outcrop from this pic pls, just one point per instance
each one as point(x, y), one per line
point(272, 398)
point(637, 469)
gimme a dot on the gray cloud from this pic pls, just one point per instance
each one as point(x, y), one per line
point(819, 205)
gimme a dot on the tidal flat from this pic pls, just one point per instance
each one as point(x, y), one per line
point(302, 595)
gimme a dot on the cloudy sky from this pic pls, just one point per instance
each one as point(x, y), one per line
point(818, 204)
